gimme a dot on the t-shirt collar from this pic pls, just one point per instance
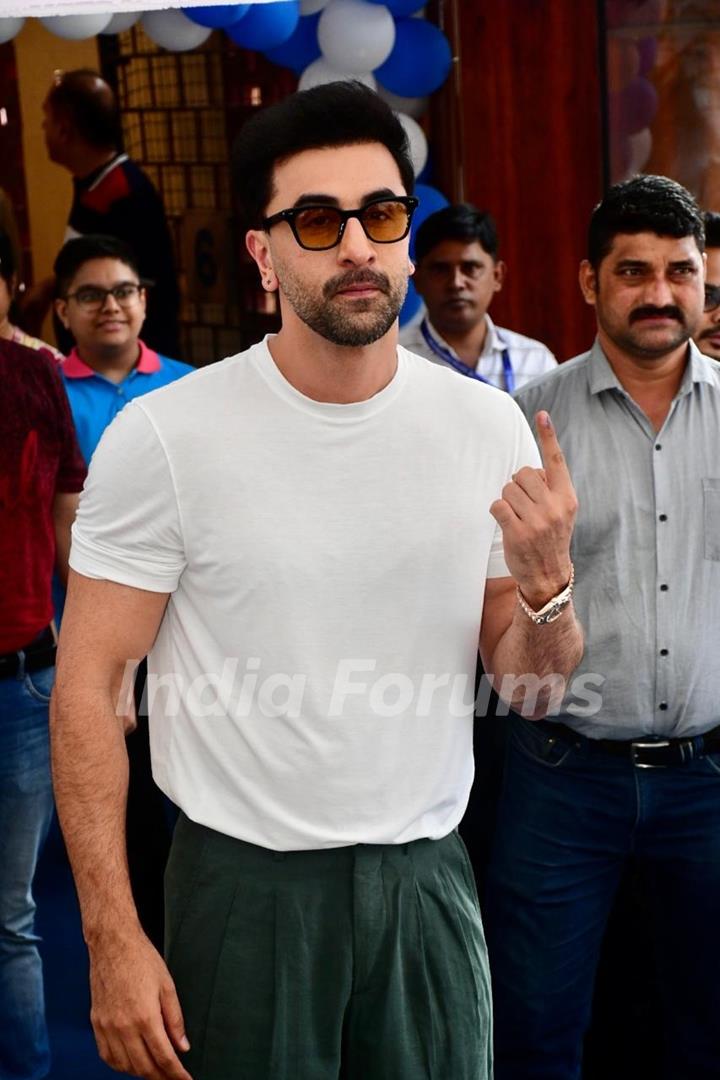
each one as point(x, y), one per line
point(75, 368)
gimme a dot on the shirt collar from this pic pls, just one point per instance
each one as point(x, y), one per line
point(492, 340)
point(602, 377)
point(75, 368)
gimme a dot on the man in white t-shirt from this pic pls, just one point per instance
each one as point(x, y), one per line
point(302, 539)
point(458, 271)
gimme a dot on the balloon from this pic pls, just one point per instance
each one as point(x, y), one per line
point(417, 141)
point(634, 108)
point(623, 62)
point(647, 48)
point(121, 22)
point(172, 30)
point(310, 7)
point(217, 16)
point(430, 200)
point(411, 310)
point(355, 36)
point(401, 8)
point(420, 60)
point(640, 148)
point(301, 48)
point(266, 25)
point(76, 27)
point(411, 106)
point(320, 72)
point(10, 27)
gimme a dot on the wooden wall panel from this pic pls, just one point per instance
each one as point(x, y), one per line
point(523, 112)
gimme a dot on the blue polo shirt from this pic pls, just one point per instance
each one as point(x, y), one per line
point(95, 401)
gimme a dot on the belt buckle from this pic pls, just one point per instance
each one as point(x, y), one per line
point(640, 745)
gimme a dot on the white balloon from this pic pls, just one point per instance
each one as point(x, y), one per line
point(417, 140)
point(76, 27)
point(355, 36)
point(121, 22)
point(411, 106)
point(640, 149)
point(309, 7)
point(174, 31)
point(10, 27)
point(320, 72)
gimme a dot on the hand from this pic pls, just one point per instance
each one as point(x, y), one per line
point(135, 1013)
point(536, 514)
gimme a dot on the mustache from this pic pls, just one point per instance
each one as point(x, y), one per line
point(356, 277)
point(650, 312)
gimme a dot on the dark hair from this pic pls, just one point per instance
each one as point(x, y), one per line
point(87, 101)
point(459, 222)
point(712, 229)
point(334, 114)
point(8, 266)
point(75, 253)
point(644, 204)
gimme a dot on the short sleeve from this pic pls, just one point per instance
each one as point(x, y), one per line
point(526, 453)
point(71, 464)
point(128, 526)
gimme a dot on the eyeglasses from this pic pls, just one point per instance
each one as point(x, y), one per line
point(318, 227)
point(93, 297)
point(712, 297)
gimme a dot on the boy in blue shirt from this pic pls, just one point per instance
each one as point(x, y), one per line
point(102, 302)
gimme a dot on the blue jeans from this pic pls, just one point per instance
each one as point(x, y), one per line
point(570, 817)
point(26, 806)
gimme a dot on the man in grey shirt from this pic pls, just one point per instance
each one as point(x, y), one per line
point(630, 766)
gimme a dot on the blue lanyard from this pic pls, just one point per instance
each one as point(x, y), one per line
point(464, 369)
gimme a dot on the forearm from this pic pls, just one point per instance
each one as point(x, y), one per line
point(531, 664)
point(90, 771)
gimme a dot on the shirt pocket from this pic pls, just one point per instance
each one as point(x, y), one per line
point(711, 498)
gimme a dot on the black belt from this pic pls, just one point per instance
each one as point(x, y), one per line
point(646, 753)
point(40, 653)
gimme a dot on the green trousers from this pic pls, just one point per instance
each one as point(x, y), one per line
point(356, 963)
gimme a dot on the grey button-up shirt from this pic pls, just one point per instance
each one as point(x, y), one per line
point(646, 548)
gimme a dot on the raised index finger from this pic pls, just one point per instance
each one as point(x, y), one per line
point(556, 470)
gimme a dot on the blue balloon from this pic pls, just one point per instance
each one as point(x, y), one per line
point(218, 16)
point(401, 8)
point(266, 25)
point(419, 62)
point(301, 48)
point(411, 306)
point(431, 200)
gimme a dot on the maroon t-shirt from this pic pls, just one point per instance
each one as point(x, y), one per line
point(39, 458)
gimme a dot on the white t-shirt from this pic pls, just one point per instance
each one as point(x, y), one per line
point(327, 565)
point(528, 357)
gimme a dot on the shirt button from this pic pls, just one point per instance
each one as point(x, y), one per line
point(663, 517)
point(663, 588)
point(664, 652)
point(658, 446)
point(663, 706)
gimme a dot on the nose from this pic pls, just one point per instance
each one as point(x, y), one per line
point(456, 278)
point(110, 303)
point(355, 248)
point(659, 293)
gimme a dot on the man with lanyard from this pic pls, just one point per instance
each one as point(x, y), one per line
point(457, 273)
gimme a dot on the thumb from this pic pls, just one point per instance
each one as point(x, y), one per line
point(173, 1017)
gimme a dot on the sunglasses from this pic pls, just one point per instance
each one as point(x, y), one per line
point(319, 228)
point(712, 297)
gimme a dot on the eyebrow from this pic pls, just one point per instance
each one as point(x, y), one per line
point(313, 198)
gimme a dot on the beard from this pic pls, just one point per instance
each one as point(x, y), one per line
point(353, 323)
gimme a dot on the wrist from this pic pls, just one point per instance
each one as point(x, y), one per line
point(539, 591)
point(551, 607)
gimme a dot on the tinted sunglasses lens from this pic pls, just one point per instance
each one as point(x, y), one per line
point(712, 297)
point(386, 221)
point(318, 227)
